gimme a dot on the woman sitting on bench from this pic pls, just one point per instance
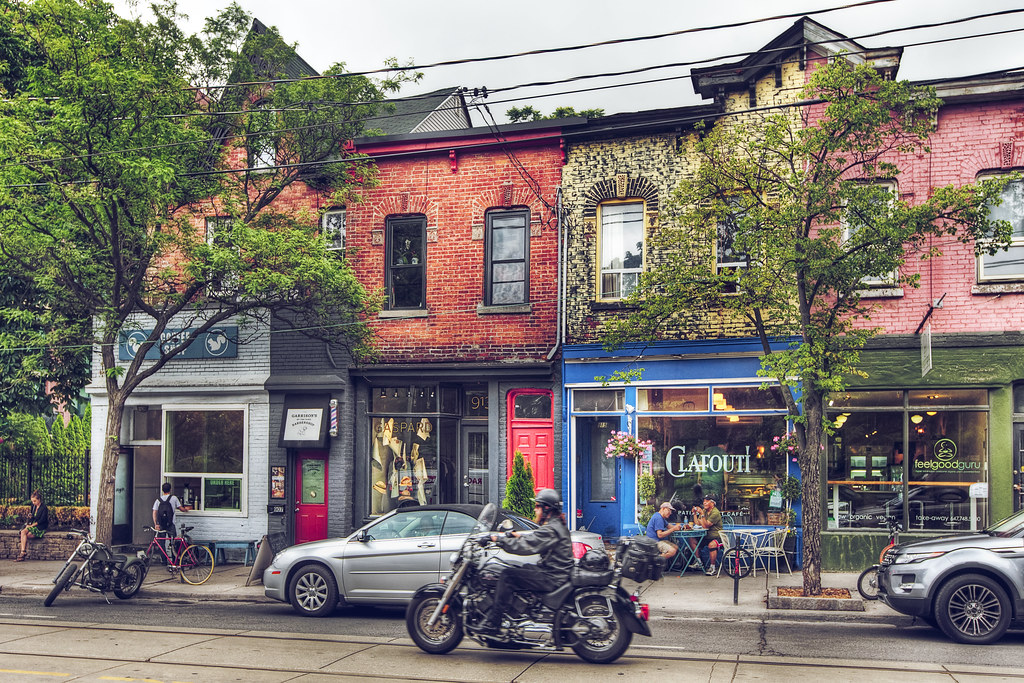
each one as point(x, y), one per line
point(39, 520)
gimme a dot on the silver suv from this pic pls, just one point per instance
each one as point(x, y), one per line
point(970, 587)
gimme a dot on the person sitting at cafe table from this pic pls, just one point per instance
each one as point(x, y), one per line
point(659, 529)
point(711, 520)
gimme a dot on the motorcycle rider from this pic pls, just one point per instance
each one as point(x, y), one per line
point(551, 541)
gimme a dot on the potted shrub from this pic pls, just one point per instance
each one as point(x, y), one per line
point(645, 496)
point(790, 488)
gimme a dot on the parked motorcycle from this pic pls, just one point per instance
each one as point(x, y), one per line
point(591, 613)
point(101, 571)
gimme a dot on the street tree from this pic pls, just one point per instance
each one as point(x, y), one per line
point(785, 220)
point(122, 137)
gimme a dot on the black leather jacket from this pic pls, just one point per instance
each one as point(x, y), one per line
point(551, 541)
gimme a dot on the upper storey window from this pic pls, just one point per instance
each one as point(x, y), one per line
point(332, 225)
point(877, 194)
point(406, 264)
point(508, 258)
point(620, 248)
point(1009, 264)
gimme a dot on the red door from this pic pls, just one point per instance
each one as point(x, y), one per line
point(531, 431)
point(310, 496)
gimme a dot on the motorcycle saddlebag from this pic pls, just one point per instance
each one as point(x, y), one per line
point(640, 559)
point(583, 577)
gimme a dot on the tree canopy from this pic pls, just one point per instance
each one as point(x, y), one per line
point(787, 219)
point(141, 168)
point(529, 113)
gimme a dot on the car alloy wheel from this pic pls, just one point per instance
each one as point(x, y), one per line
point(313, 591)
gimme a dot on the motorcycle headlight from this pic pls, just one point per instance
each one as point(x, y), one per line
point(907, 558)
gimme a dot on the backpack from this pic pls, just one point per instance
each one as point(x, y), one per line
point(165, 513)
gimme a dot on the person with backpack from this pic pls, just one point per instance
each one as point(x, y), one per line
point(165, 513)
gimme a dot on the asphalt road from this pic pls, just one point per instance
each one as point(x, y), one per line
point(700, 634)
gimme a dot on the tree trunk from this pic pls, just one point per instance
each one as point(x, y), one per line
point(810, 466)
point(108, 470)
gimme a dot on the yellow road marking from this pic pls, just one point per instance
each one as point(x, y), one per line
point(32, 673)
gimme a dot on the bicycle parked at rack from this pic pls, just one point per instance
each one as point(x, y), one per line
point(867, 583)
point(193, 563)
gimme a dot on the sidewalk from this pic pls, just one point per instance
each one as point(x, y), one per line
point(672, 597)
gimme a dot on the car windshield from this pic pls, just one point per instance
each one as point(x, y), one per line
point(1011, 526)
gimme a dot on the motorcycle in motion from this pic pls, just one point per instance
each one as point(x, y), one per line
point(591, 613)
point(101, 571)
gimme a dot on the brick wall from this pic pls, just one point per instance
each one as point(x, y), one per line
point(52, 546)
point(455, 204)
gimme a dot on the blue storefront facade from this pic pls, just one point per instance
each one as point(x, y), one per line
point(711, 421)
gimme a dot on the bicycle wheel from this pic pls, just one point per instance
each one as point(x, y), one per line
point(737, 562)
point(867, 583)
point(196, 564)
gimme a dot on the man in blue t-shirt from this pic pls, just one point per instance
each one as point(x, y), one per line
point(659, 529)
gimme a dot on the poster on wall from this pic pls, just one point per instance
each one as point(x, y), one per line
point(403, 463)
point(277, 481)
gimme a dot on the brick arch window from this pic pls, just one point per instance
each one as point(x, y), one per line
point(406, 249)
point(507, 257)
point(1008, 264)
point(621, 208)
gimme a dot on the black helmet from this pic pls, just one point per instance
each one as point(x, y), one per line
point(594, 560)
point(549, 498)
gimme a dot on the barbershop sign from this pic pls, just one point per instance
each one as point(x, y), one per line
point(219, 342)
point(679, 464)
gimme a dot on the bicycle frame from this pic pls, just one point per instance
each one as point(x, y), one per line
point(180, 543)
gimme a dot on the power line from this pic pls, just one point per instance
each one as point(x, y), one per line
point(568, 48)
point(542, 83)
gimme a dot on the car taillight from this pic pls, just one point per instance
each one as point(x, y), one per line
point(645, 610)
point(579, 549)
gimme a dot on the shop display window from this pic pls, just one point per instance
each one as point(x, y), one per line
point(915, 462)
point(693, 456)
point(205, 458)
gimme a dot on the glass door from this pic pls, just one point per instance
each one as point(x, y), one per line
point(475, 465)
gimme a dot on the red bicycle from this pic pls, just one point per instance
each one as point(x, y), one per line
point(867, 583)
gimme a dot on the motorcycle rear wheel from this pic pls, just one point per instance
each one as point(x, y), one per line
point(606, 649)
point(130, 582)
point(63, 579)
point(446, 633)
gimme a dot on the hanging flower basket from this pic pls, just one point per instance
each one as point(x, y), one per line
point(625, 445)
point(785, 444)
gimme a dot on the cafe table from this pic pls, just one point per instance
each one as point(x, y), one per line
point(751, 537)
point(686, 553)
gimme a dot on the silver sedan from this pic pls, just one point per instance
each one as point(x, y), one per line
point(386, 560)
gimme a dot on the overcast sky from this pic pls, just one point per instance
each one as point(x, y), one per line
point(363, 33)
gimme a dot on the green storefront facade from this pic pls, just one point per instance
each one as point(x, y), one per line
point(940, 452)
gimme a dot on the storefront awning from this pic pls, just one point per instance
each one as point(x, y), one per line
point(304, 421)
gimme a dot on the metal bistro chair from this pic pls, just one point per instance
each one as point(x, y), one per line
point(772, 548)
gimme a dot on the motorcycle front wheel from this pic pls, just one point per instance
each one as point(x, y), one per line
point(608, 638)
point(446, 633)
point(130, 581)
point(63, 579)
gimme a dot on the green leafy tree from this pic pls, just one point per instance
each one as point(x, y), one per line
point(519, 491)
point(530, 113)
point(784, 201)
point(121, 137)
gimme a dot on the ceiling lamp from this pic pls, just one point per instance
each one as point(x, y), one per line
point(916, 419)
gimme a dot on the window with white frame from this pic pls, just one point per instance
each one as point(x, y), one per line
point(332, 223)
point(507, 259)
point(218, 234)
point(262, 150)
point(854, 221)
point(1008, 264)
point(205, 453)
point(620, 248)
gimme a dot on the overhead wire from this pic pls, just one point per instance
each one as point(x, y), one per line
point(527, 85)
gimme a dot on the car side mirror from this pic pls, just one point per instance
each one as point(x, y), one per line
point(506, 525)
point(362, 536)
